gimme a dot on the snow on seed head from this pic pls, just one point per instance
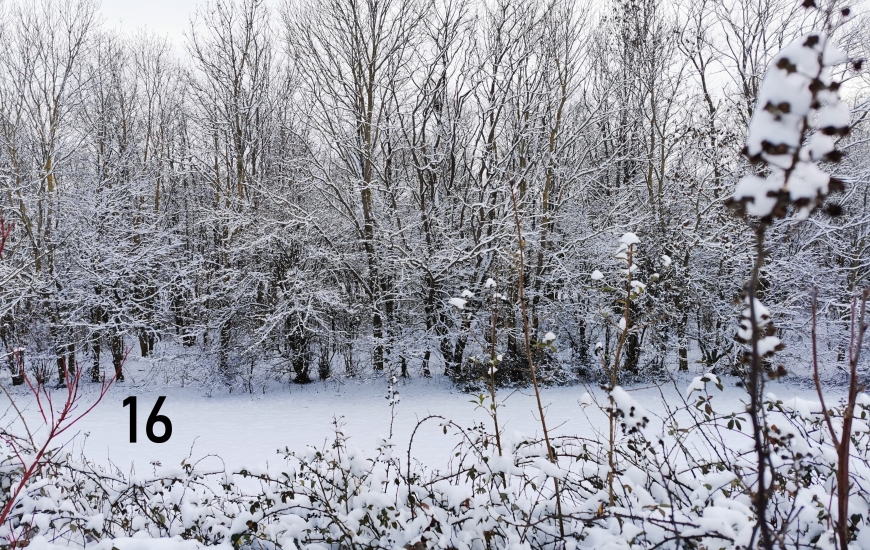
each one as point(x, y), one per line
point(798, 113)
point(633, 415)
point(629, 239)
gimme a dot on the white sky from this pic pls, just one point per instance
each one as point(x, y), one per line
point(166, 17)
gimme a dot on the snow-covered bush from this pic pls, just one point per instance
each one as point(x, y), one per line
point(683, 480)
point(780, 474)
point(798, 115)
point(622, 303)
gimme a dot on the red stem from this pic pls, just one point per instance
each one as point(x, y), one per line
point(58, 426)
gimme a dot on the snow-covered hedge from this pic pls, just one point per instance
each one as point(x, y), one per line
point(684, 481)
point(691, 479)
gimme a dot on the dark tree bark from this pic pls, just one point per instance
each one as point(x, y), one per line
point(95, 368)
point(117, 348)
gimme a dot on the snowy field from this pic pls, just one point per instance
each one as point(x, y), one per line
point(220, 476)
point(246, 430)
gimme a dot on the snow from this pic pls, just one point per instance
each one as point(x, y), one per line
point(245, 431)
point(758, 192)
point(132, 543)
point(629, 239)
point(762, 318)
point(458, 303)
point(548, 468)
point(96, 522)
point(797, 93)
point(798, 122)
point(767, 345)
point(807, 181)
point(699, 383)
point(262, 423)
point(762, 314)
point(633, 415)
point(818, 146)
point(834, 116)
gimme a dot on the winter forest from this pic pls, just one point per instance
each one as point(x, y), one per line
point(490, 196)
point(307, 187)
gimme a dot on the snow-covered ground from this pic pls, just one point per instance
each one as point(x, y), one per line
point(246, 430)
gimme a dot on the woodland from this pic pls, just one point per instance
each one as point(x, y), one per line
point(296, 192)
point(505, 196)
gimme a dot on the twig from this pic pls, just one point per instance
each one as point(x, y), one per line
point(528, 343)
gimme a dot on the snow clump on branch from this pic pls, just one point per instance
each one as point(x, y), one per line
point(798, 97)
point(458, 303)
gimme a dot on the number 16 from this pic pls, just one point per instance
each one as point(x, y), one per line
point(153, 418)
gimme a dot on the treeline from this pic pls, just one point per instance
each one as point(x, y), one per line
point(309, 186)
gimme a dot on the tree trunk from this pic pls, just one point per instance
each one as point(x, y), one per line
point(117, 348)
point(450, 367)
point(17, 365)
point(15, 357)
point(95, 369)
point(426, 356)
point(632, 353)
point(682, 342)
point(223, 362)
point(324, 366)
point(459, 352)
point(71, 359)
point(146, 343)
point(60, 353)
point(582, 350)
point(378, 336)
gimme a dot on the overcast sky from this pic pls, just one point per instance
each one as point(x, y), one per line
point(169, 17)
